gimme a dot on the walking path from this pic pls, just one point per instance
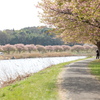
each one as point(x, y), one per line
point(78, 84)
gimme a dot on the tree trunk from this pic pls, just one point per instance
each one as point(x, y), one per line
point(98, 45)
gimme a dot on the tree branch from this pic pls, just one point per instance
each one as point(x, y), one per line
point(63, 12)
point(68, 12)
point(88, 22)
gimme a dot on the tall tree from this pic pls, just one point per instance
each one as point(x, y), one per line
point(73, 20)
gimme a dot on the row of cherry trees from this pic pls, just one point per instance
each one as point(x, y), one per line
point(40, 48)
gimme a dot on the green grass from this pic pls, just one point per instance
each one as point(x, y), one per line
point(39, 86)
point(95, 68)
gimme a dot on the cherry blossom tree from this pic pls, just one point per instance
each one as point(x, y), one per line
point(87, 48)
point(94, 48)
point(58, 48)
point(77, 48)
point(66, 47)
point(1, 48)
point(49, 48)
point(20, 47)
point(40, 48)
point(73, 20)
point(31, 47)
point(8, 48)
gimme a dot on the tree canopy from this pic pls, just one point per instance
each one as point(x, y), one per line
point(73, 20)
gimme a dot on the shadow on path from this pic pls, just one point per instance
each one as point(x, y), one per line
point(79, 83)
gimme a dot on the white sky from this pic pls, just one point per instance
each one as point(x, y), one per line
point(18, 14)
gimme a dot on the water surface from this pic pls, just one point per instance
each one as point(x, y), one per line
point(11, 69)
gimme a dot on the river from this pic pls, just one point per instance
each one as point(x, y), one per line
point(11, 69)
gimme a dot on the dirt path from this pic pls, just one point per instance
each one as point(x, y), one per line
point(77, 83)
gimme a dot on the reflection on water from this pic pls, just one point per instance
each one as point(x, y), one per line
point(11, 69)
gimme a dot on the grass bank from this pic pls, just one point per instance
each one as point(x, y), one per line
point(36, 54)
point(40, 86)
point(95, 68)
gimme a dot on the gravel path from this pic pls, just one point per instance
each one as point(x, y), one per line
point(78, 84)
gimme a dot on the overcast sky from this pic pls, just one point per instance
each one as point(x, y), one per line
point(18, 14)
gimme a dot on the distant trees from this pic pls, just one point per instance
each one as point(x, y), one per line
point(57, 48)
point(93, 48)
point(49, 48)
point(40, 48)
point(66, 48)
point(87, 47)
point(1, 48)
point(43, 49)
point(3, 38)
point(31, 48)
point(20, 47)
point(78, 48)
point(29, 35)
point(8, 48)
